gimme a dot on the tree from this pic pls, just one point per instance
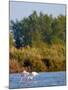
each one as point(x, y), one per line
point(17, 31)
point(37, 29)
point(11, 40)
point(59, 29)
point(47, 30)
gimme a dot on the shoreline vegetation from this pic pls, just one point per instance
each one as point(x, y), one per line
point(38, 43)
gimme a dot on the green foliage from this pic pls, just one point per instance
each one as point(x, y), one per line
point(11, 41)
point(35, 29)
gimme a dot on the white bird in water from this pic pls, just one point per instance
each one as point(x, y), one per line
point(25, 73)
point(32, 75)
point(29, 76)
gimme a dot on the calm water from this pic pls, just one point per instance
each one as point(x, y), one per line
point(42, 80)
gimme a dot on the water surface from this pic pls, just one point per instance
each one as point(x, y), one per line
point(42, 80)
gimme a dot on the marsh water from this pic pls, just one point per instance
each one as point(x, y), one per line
point(43, 79)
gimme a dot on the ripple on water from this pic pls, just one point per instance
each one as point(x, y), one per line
point(42, 80)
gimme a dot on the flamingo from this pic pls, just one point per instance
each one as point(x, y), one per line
point(29, 76)
point(32, 75)
point(25, 73)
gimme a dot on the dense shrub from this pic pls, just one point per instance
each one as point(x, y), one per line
point(14, 66)
point(46, 58)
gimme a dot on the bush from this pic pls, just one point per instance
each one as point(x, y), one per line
point(46, 58)
point(14, 66)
